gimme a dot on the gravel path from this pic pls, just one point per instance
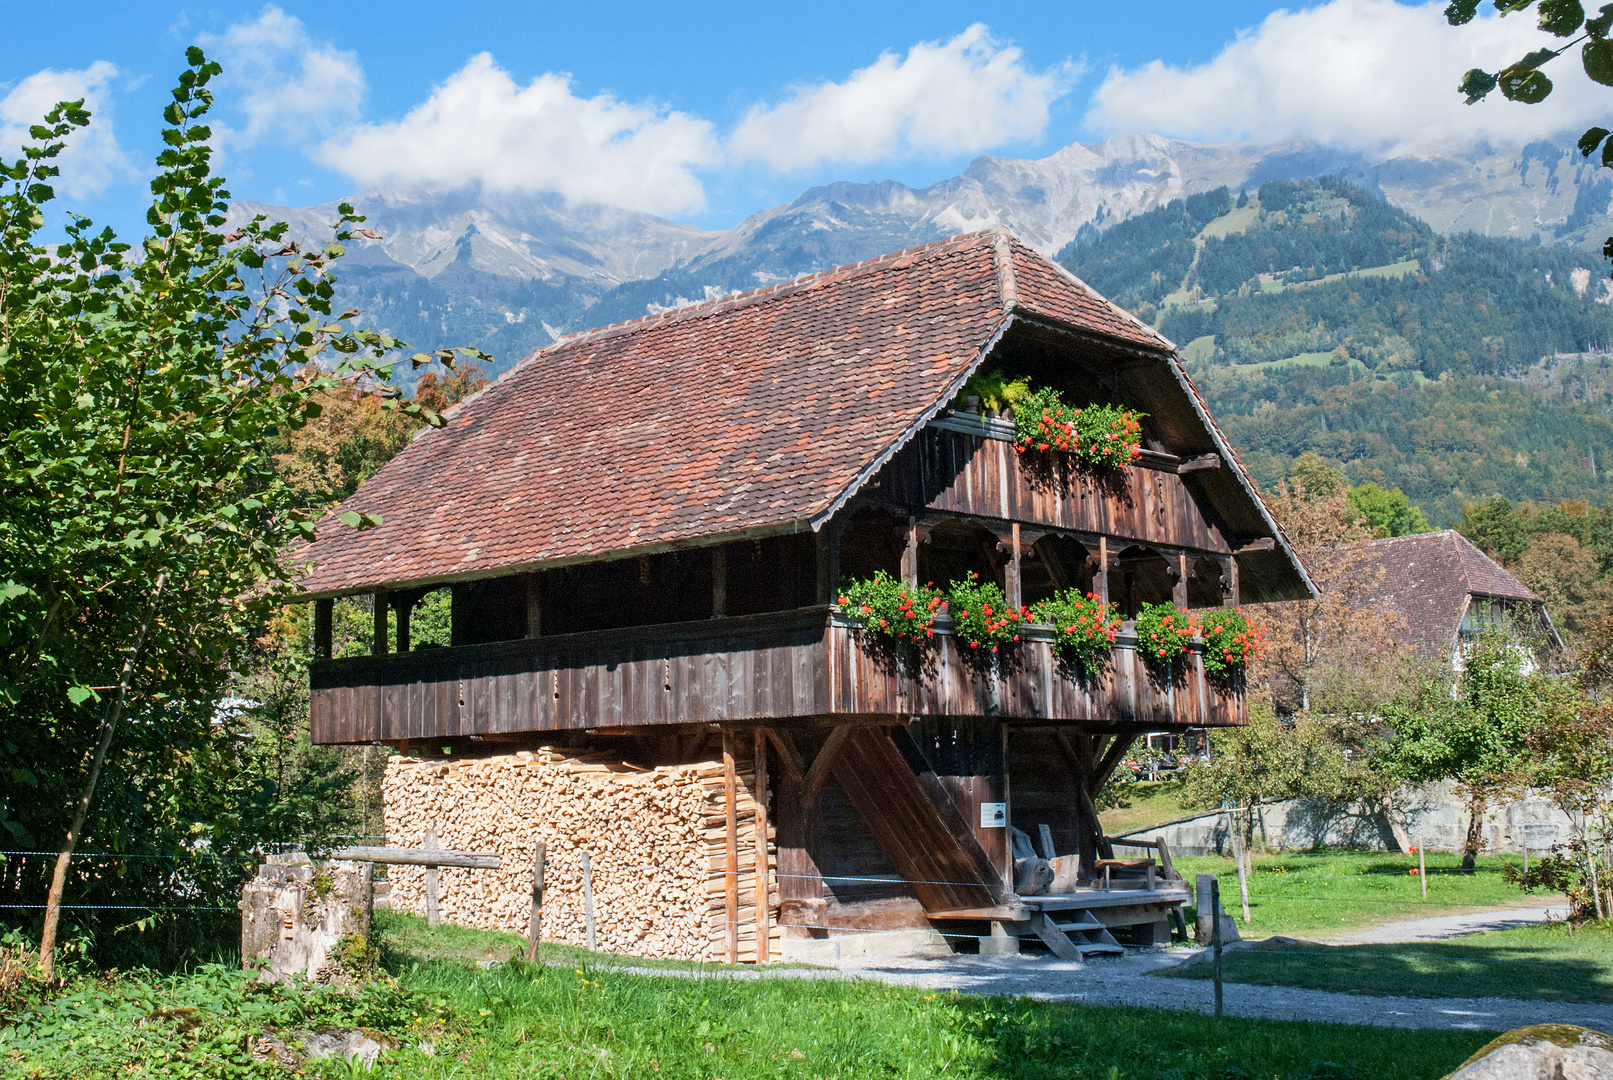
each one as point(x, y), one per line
point(1445, 927)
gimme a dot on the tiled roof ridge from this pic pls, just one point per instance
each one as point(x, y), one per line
point(706, 308)
point(1464, 551)
point(1097, 297)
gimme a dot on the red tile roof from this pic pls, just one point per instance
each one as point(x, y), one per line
point(753, 412)
point(1428, 577)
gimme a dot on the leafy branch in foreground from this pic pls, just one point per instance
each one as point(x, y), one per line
point(143, 525)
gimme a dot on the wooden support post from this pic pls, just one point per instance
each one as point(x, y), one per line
point(458, 613)
point(534, 606)
point(378, 645)
point(534, 929)
point(731, 864)
point(1015, 601)
point(323, 619)
point(819, 772)
point(719, 582)
point(404, 607)
point(1239, 853)
point(826, 584)
point(432, 915)
point(1422, 866)
point(759, 792)
point(789, 757)
point(1215, 938)
point(910, 553)
point(1102, 580)
point(1232, 597)
point(588, 900)
point(1179, 593)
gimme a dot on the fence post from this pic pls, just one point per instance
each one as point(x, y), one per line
point(1422, 869)
point(1239, 852)
point(1215, 939)
point(588, 898)
point(534, 930)
point(432, 916)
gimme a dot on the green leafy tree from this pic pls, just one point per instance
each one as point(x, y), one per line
point(1387, 512)
point(143, 527)
point(1478, 736)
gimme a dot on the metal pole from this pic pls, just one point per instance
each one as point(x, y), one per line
point(588, 898)
point(534, 930)
point(432, 916)
point(1215, 939)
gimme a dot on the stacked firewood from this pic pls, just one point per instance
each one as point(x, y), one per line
point(657, 840)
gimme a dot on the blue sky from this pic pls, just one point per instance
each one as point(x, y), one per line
point(709, 112)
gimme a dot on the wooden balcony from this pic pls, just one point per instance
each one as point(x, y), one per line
point(806, 663)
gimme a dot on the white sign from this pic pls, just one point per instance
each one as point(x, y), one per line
point(993, 815)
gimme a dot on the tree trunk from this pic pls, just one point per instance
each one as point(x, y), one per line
point(1475, 833)
point(114, 709)
point(1396, 826)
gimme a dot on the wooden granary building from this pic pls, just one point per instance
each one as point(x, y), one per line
point(644, 528)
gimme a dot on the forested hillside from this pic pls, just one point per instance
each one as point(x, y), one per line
point(1317, 317)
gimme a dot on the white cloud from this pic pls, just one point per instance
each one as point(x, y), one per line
point(960, 96)
point(1361, 73)
point(481, 126)
point(287, 85)
point(93, 160)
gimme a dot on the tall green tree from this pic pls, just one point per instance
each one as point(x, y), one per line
point(1477, 734)
point(143, 528)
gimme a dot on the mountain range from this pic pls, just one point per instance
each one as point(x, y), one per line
point(508, 272)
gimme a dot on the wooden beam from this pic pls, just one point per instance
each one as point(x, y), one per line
point(378, 645)
point(1102, 580)
point(392, 856)
point(719, 582)
point(910, 553)
point(1111, 758)
point(759, 793)
point(1014, 591)
point(1179, 590)
point(534, 605)
point(819, 772)
point(1086, 810)
point(731, 862)
point(323, 636)
point(789, 756)
point(1233, 597)
point(1203, 461)
point(404, 606)
point(1264, 543)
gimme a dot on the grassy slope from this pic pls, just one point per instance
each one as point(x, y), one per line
point(1545, 963)
point(1147, 803)
point(1316, 894)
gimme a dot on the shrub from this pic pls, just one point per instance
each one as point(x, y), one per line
point(981, 615)
point(1105, 435)
point(892, 608)
point(1230, 640)
point(1084, 628)
point(1163, 631)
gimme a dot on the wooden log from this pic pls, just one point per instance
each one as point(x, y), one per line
point(588, 900)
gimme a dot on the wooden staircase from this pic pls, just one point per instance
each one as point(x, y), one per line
point(1074, 935)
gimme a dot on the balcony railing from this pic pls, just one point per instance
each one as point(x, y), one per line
point(752, 669)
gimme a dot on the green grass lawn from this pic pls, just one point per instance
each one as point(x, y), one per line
point(1317, 894)
point(1147, 802)
point(451, 1018)
point(1544, 963)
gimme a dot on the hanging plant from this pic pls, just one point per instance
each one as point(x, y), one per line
point(1105, 435)
point(1230, 641)
point(1084, 628)
point(981, 617)
point(1163, 631)
point(892, 608)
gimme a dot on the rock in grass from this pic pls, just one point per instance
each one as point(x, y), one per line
point(1542, 1052)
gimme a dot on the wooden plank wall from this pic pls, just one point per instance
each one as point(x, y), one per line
point(949, 472)
point(751, 669)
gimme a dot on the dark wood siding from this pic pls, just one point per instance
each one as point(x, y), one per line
point(950, 473)
point(751, 669)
